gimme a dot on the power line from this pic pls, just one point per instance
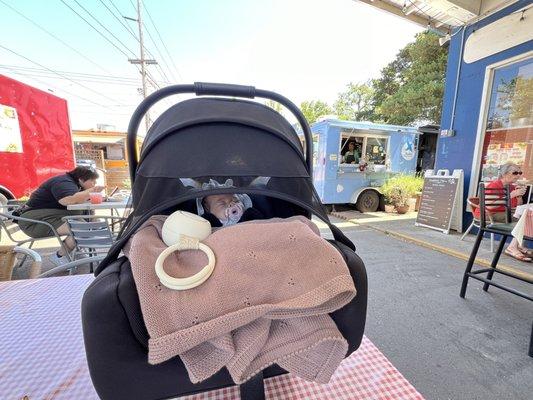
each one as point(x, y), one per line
point(63, 90)
point(43, 75)
point(54, 36)
point(103, 26)
point(112, 78)
point(59, 74)
point(163, 75)
point(165, 78)
point(122, 15)
point(164, 45)
point(162, 58)
point(108, 78)
point(161, 54)
point(121, 22)
point(91, 25)
point(156, 46)
point(100, 33)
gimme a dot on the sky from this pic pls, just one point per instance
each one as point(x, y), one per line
point(303, 49)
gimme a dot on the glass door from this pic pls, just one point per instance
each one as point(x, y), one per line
point(509, 126)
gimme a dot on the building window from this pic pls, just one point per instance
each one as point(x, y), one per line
point(114, 152)
point(509, 132)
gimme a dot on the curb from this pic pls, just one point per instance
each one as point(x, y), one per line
point(457, 254)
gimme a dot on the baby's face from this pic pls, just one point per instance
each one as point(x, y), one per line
point(218, 203)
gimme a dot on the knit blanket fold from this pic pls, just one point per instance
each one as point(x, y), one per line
point(267, 301)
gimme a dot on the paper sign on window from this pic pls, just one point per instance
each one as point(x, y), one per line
point(10, 138)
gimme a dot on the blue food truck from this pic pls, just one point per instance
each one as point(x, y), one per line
point(353, 159)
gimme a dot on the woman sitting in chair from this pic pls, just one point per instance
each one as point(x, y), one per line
point(509, 174)
point(49, 203)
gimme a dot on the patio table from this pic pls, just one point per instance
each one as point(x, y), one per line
point(105, 205)
point(42, 355)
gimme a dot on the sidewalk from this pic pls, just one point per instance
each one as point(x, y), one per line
point(449, 348)
point(403, 227)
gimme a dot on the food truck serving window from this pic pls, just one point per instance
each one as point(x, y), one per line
point(509, 132)
point(375, 150)
point(370, 148)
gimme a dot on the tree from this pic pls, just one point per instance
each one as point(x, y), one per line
point(356, 102)
point(314, 109)
point(411, 87)
point(392, 77)
point(274, 105)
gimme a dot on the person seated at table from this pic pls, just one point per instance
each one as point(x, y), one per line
point(49, 203)
point(509, 174)
point(351, 156)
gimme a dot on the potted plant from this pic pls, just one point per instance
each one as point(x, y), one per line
point(400, 199)
point(418, 184)
point(399, 190)
point(386, 191)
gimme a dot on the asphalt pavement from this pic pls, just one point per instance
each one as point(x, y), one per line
point(447, 347)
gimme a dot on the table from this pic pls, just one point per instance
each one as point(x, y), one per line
point(105, 205)
point(42, 354)
point(114, 206)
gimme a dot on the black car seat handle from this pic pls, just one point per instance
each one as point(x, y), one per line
point(223, 89)
point(211, 89)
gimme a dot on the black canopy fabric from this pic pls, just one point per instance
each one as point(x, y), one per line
point(218, 110)
point(213, 138)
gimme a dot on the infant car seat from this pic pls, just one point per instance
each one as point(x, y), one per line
point(198, 139)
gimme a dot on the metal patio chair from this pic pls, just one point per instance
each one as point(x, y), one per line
point(473, 202)
point(9, 226)
point(8, 256)
point(494, 197)
point(92, 234)
point(71, 266)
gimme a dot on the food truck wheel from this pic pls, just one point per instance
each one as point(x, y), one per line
point(368, 201)
point(3, 200)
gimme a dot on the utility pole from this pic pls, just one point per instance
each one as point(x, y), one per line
point(142, 61)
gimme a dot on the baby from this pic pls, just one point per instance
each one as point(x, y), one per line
point(226, 209)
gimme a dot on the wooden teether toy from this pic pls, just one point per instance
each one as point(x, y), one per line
point(185, 231)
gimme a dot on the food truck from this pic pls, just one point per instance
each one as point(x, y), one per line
point(381, 151)
point(35, 138)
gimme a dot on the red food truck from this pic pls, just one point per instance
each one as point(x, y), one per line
point(35, 138)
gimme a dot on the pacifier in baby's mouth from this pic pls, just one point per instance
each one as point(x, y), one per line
point(233, 213)
point(185, 231)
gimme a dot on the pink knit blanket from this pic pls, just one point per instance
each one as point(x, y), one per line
point(267, 301)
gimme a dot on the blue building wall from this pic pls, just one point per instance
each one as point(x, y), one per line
point(457, 152)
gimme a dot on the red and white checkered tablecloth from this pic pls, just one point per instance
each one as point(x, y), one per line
point(42, 354)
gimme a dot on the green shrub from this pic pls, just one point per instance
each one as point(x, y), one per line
point(400, 188)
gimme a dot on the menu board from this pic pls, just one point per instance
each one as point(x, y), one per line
point(441, 201)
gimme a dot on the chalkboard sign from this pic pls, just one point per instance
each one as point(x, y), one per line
point(441, 202)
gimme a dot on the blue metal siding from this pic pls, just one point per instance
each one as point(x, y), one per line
point(457, 152)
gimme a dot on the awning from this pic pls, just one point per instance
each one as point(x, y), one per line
point(101, 139)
